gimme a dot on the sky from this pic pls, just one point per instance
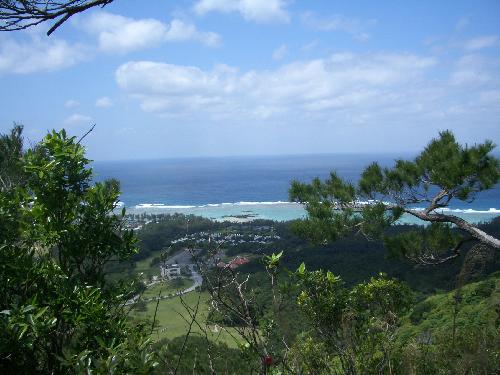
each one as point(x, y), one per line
point(168, 79)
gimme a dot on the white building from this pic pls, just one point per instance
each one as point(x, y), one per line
point(170, 271)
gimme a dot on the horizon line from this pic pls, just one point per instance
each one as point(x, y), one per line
point(259, 156)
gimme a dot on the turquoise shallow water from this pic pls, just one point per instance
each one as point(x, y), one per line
point(279, 211)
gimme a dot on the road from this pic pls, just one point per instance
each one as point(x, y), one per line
point(183, 258)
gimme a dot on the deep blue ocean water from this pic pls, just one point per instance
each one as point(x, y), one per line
point(202, 185)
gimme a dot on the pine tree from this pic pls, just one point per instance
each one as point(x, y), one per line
point(444, 171)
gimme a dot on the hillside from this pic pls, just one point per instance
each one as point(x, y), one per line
point(456, 331)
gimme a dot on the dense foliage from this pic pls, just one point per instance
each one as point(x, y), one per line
point(356, 258)
point(357, 327)
point(57, 232)
point(201, 356)
point(456, 332)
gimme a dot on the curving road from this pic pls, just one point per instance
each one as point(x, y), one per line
point(183, 258)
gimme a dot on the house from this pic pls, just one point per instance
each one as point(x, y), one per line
point(235, 263)
point(170, 271)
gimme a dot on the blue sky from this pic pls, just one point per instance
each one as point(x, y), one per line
point(241, 77)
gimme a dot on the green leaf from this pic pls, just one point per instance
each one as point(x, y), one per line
point(41, 312)
point(28, 308)
point(23, 331)
point(331, 277)
point(302, 268)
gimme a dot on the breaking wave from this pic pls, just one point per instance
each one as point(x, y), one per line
point(491, 210)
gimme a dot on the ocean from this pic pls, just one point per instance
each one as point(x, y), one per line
point(253, 187)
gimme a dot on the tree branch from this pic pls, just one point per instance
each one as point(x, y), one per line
point(192, 321)
point(20, 15)
point(459, 222)
point(87, 133)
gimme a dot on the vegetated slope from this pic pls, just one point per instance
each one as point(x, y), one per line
point(425, 343)
point(457, 331)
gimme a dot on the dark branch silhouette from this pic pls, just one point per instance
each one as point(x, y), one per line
point(22, 14)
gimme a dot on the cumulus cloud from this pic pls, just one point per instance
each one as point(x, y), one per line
point(480, 42)
point(180, 31)
point(280, 52)
point(71, 103)
point(339, 82)
point(356, 28)
point(117, 33)
point(104, 102)
point(77, 119)
point(32, 53)
point(251, 10)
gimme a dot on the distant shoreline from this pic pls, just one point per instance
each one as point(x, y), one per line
point(278, 211)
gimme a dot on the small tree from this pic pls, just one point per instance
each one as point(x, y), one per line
point(357, 327)
point(57, 232)
point(442, 172)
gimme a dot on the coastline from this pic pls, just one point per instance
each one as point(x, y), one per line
point(242, 212)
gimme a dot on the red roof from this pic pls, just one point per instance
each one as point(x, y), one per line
point(236, 262)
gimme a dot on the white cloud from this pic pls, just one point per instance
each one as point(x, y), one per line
point(251, 10)
point(280, 52)
point(470, 70)
point(121, 34)
point(180, 31)
point(344, 82)
point(104, 102)
point(71, 103)
point(31, 53)
point(480, 42)
point(356, 28)
point(468, 76)
point(77, 119)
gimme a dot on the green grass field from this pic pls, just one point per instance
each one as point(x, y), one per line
point(135, 268)
point(167, 287)
point(144, 266)
point(170, 321)
point(169, 316)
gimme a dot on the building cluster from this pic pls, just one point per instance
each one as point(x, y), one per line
point(201, 238)
point(134, 223)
